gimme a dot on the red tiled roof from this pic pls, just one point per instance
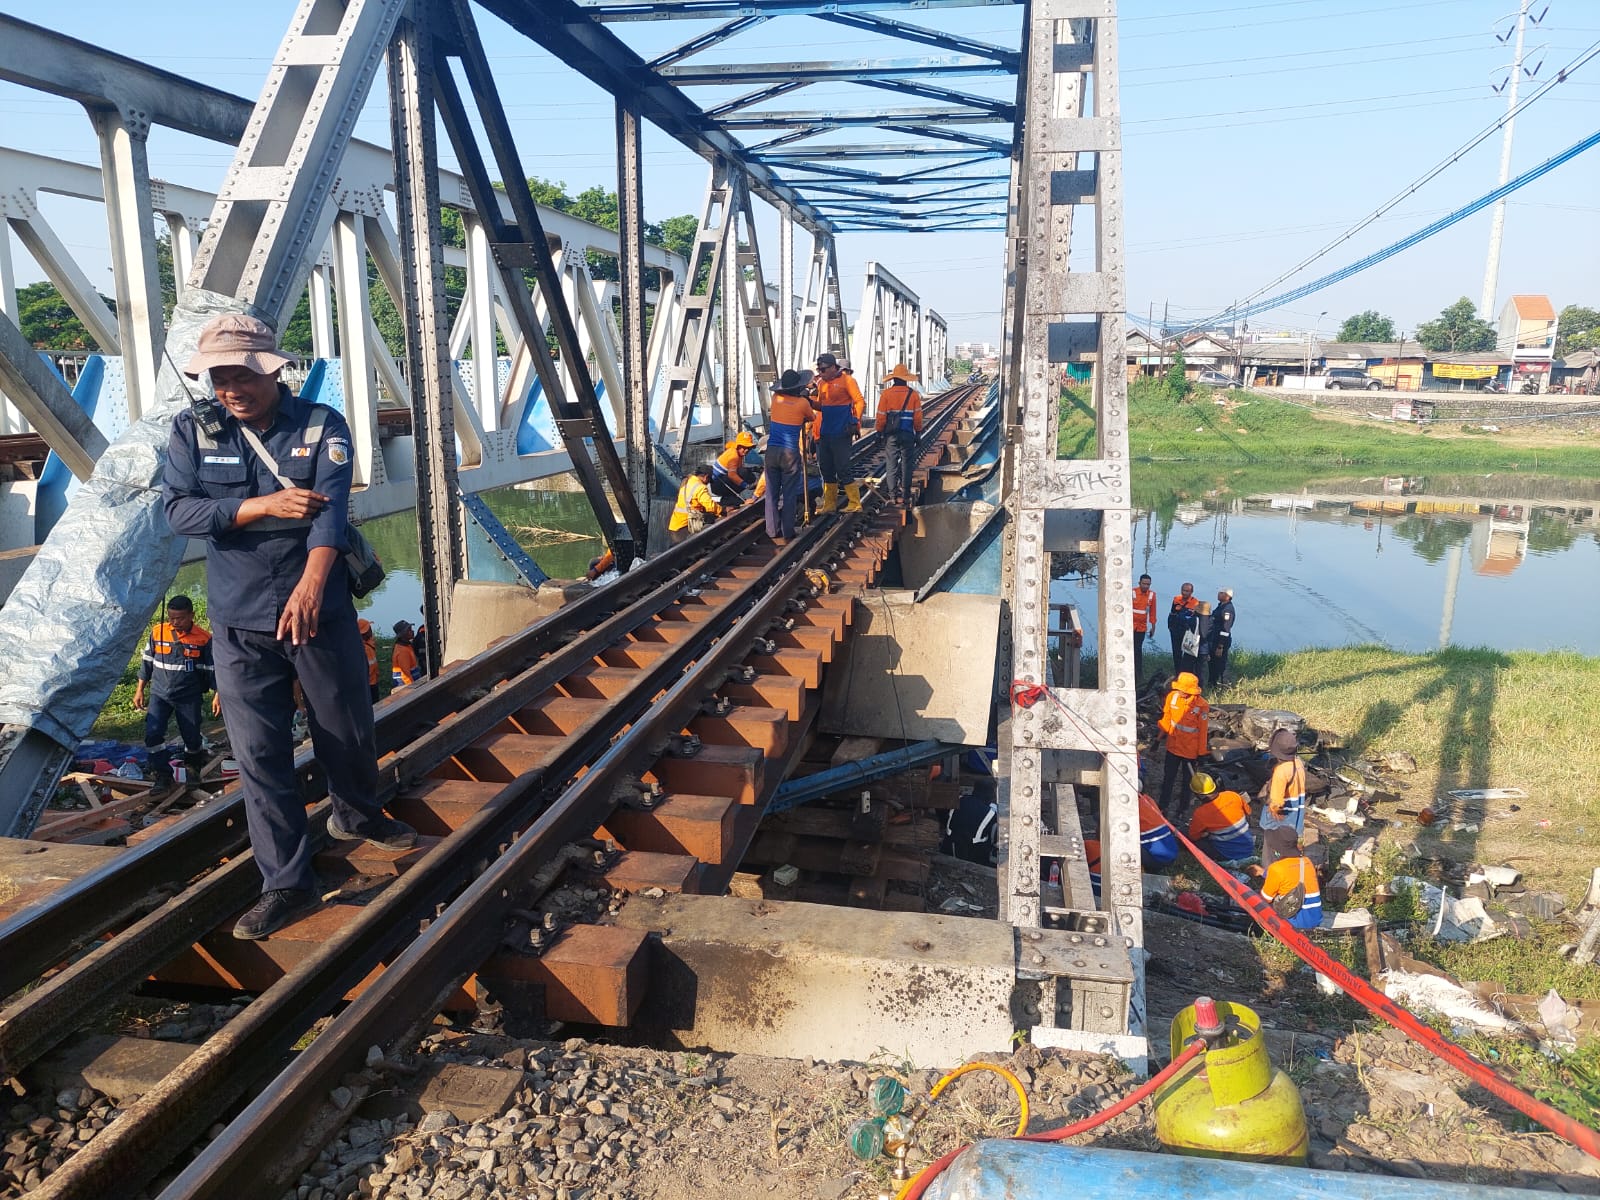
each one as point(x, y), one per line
point(1534, 308)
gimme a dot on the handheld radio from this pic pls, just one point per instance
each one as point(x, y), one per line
point(207, 412)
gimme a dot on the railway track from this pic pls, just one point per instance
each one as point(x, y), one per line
point(674, 699)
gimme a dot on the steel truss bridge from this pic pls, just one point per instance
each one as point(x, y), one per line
point(613, 383)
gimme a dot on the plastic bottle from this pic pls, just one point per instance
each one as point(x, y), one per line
point(130, 769)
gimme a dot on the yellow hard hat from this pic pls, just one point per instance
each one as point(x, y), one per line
point(1202, 784)
point(745, 438)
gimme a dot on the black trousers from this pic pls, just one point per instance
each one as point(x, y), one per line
point(256, 674)
point(1138, 656)
point(727, 495)
point(833, 458)
point(900, 454)
point(158, 718)
point(1216, 666)
point(1171, 770)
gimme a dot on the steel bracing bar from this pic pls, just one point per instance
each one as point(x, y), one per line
point(658, 10)
point(46, 403)
point(526, 247)
point(1003, 110)
point(882, 118)
point(431, 373)
point(953, 155)
point(857, 71)
point(760, 95)
point(565, 28)
point(706, 40)
point(873, 23)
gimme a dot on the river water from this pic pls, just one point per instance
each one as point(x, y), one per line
point(1411, 564)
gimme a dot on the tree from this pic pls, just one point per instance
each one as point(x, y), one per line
point(1367, 326)
point(1178, 385)
point(47, 320)
point(1458, 330)
point(1577, 328)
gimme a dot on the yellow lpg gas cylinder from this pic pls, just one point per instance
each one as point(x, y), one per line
point(1230, 1102)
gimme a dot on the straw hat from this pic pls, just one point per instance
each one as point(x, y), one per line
point(902, 372)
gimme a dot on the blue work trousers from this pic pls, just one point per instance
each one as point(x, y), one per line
point(255, 677)
point(158, 718)
point(786, 478)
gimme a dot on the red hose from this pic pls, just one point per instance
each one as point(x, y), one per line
point(917, 1186)
point(1364, 994)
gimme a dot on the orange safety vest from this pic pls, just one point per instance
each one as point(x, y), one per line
point(898, 404)
point(372, 659)
point(1183, 720)
point(835, 394)
point(1144, 610)
point(731, 460)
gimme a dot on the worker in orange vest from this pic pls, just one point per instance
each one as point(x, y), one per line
point(1291, 880)
point(695, 504)
point(403, 667)
point(839, 406)
point(727, 472)
point(1184, 721)
point(1285, 790)
point(1221, 825)
point(1144, 624)
point(899, 420)
point(369, 643)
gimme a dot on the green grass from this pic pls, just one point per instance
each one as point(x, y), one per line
point(1472, 718)
point(1258, 443)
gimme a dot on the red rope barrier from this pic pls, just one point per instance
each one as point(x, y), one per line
point(1374, 1001)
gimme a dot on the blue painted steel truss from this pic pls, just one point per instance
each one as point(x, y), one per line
point(940, 169)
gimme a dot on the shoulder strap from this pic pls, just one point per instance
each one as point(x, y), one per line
point(261, 453)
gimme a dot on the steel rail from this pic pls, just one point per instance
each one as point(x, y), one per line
point(156, 1128)
point(160, 1125)
point(41, 1018)
point(249, 1157)
point(40, 936)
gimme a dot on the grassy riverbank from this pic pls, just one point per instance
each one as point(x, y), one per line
point(1253, 442)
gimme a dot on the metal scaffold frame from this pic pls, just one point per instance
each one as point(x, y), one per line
point(1067, 180)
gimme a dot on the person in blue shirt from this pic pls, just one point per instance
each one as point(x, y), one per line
point(279, 602)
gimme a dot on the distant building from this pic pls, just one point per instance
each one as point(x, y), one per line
point(1527, 335)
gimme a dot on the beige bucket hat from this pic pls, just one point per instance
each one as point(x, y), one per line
point(237, 340)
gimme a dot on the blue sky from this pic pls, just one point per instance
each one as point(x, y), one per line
point(1254, 133)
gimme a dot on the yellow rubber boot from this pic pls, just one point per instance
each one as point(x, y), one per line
point(830, 497)
point(853, 491)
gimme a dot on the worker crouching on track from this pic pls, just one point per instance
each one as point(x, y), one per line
point(1184, 720)
point(727, 472)
point(280, 603)
point(696, 505)
point(838, 420)
point(1291, 881)
point(1221, 825)
point(1285, 790)
point(783, 469)
point(899, 419)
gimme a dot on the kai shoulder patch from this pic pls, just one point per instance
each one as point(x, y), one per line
point(338, 451)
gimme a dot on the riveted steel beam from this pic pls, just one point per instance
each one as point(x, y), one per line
point(832, 70)
point(666, 10)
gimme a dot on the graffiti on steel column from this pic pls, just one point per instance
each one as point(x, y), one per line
point(1076, 485)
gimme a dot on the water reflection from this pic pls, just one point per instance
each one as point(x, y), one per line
point(1407, 562)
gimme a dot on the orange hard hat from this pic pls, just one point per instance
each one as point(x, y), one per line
point(1187, 684)
point(364, 626)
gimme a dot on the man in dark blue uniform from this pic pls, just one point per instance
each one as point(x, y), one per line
point(280, 605)
point(177, 666)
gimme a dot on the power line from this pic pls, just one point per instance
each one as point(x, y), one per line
point(1427, 231)
point(1455, 156)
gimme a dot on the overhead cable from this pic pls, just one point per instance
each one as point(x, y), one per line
point(1455, 156)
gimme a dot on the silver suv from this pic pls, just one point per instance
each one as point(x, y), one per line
point(1351, 377)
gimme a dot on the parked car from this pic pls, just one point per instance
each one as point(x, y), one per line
point(1210, 378)
point(1343, 378)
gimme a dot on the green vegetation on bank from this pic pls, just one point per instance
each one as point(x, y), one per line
point(1472, 718)
point(1254, 442)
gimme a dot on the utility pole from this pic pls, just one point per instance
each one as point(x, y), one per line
point(1497, 227)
